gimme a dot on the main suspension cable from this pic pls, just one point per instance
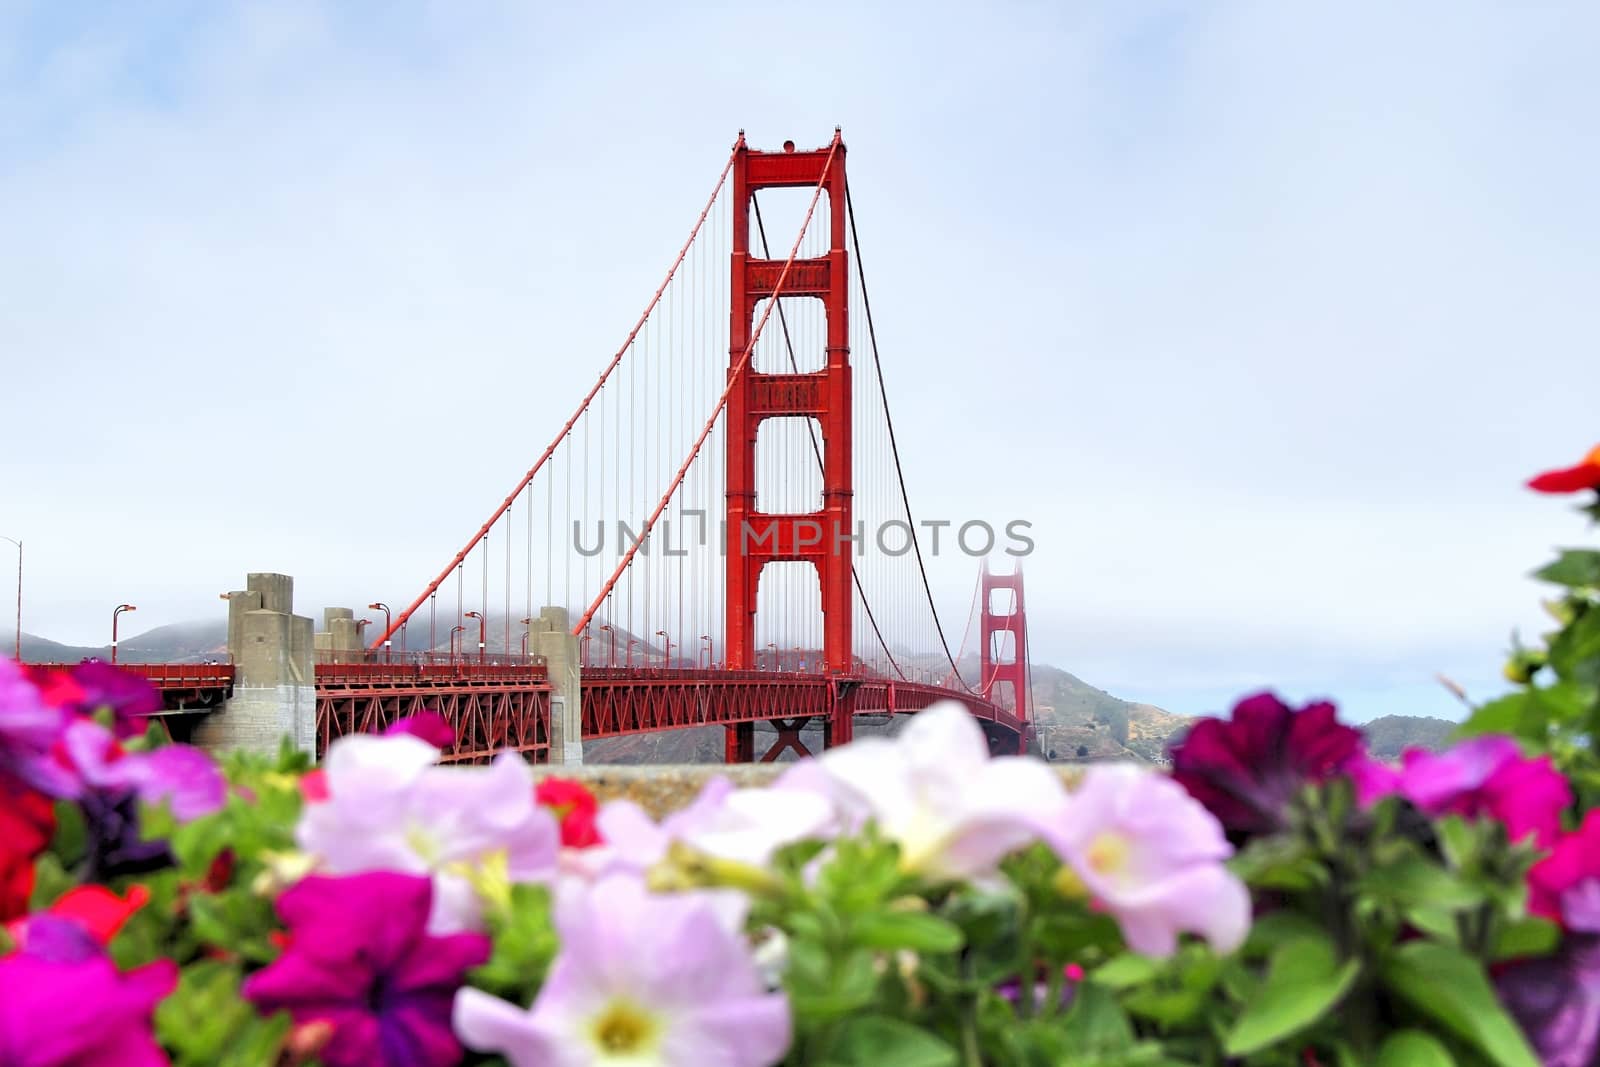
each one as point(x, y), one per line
point(894, 448)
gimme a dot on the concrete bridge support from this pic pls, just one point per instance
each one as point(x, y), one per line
point(274, 693)
point(550, 636)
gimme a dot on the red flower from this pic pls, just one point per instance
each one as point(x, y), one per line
point(27, 823)
point(575, 806)
point(99, 910)
point(1585, 475)
point(314, 786)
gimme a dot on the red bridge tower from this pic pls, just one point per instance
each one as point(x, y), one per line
point(820, 538)
point(1002, 662)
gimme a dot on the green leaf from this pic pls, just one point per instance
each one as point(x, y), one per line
point(1574, 568)
point(1449, 987)
point(882, 1041)
point(1413, 1048)
point(1575, 653)
point(1095, 1022)
point(1272, 930)
point(1530, 936)
point(1512, 714)
point(206, 1022)
point(1128, 969)
point(1279, 862)
point(917, 931)
point(1305, 981)
point(1416, 882)
point(524, 944)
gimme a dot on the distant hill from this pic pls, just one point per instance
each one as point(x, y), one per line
point(1391, 735)
point(180, 642)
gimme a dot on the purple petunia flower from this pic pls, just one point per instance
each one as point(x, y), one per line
point(1247, 768)
point(66, 1005)
point(128, 696)
point(180, 774)
point(29, 727)
point(1556, 1001)
point(361, 960)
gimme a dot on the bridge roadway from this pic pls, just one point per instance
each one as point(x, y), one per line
point(502, 702)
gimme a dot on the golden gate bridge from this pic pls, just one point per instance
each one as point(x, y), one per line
point(729, 497)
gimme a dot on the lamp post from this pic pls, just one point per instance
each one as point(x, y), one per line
point(388, 624)
point(666, 653)
point(114, 616)
point(773, 648)
point(479, 616)
point(707, 639)
point(14, 541)
point(583, 647)
point(453, 631)
point(631, 642)
point(607, 628)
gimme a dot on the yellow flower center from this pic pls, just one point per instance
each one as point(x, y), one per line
point(1108, 853)
point(624, 1029)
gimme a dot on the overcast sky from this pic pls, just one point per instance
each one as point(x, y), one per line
point(1260, 312)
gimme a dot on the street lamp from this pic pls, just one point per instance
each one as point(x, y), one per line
point(707, 639)
point(388, 624)
point(453, 631)
point(631, 642)
point(583, 648)
point(479, 616)
point(607, 628)
point(14, 541)
point(774, 649)
point(114, 615)
point(666, 653)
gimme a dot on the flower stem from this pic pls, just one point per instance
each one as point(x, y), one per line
point(970, 1056)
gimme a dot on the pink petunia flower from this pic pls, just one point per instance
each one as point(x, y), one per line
point(389, 807)
point(1152, 856)
point(641, 979)
point(954, 810)
point(359, 959)
point(746, 825)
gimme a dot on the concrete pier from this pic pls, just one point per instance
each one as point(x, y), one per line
point(274, 690)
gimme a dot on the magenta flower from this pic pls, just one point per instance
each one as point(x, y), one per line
point(1144, 850)
point(1245, 769)
point(1482, 777)
point(641, 979)
point(361, 960)
point(1565, 885)
point(428, 725)
point(71, 1008)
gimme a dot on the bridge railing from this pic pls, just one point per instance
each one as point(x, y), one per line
point(218, 675)
point(377, 667)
